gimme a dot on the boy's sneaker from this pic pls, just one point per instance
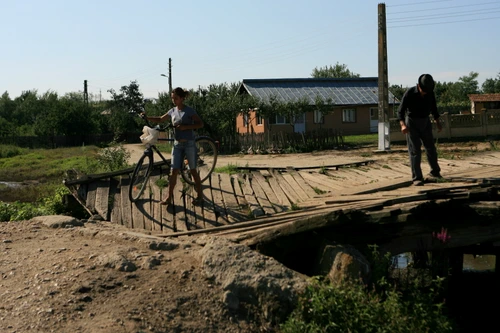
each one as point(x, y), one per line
point(418, 182)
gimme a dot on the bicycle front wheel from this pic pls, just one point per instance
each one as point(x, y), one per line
point(140, 177)
point(205, 162)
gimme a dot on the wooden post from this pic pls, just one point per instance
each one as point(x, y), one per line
point(383, 89)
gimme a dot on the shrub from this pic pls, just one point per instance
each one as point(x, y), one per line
point(351, 307)
point(10, 151)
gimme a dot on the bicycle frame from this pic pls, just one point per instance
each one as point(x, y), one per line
point(206, 161)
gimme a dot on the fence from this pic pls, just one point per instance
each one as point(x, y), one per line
point(277, 142)
point(482, 124)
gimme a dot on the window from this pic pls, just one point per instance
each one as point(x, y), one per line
point(280, 120)
point(260, 120)
point(318, 117)
point(349, 115)
point(245, 119)
point(276, 119)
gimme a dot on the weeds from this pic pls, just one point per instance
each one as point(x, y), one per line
point(318, 191)
point(229, 169)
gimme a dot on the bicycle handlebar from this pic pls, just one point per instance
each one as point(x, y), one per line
point(157, 126)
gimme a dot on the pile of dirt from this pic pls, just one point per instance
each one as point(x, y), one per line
point(59, 274)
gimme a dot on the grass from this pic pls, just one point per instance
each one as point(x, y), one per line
point(229, 169)
point(361, 140)
point(46, 168)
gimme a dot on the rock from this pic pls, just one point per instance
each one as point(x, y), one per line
point(251, 278)
point(57, 221)
point(116, 261)
point(343, 262)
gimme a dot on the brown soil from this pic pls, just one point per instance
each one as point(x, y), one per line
point(66, 280)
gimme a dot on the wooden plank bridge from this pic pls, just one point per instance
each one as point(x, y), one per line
point(260, 197)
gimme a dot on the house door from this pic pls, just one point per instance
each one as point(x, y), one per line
point(373, 120)
point(300, 124)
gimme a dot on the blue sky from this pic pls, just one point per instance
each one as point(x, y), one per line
point(57, 44)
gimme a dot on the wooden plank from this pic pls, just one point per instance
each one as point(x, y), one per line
point(315, 183)
point(102, 198)
point(283, 200)
point(91, 197)
point(335, 183)
point(302, 183)
point(261, 196)
point(238, 180)
point(272, 197)
point(226, 187)
point(209, 213)
point(193, 213)
point(253, 204)
point(126, 205)
point(285, 186)
point(115, 215)
point(230, 201)
point(301, 194)
point(156, 208)
point(218, 201)
point(150, 195)
point(178, 207)
point(475, 172)
point(139, 210)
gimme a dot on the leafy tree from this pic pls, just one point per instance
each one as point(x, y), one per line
point(491, 86)
point(337, 71)
point(398, 90)
point(218, 106)
point(467, 85)
point(7, 108)
point(46, 123)
point(129, 99)
point(26, 108)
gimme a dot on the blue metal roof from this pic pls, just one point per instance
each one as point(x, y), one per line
point(341, 91)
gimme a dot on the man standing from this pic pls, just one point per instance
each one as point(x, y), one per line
point(417, 104)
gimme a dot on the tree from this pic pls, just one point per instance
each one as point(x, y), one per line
point(130, 99)
point(219, 105)
point(337, 71)
point(7, 108)
point(491, 86)
point(398, 90)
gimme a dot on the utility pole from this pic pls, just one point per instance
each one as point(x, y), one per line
point(169, 76)
point(384, 141)
point(85, 93)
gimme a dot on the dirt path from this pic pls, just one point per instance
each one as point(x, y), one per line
point(320, 158)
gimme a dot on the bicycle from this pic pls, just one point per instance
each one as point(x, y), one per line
point(207, 152)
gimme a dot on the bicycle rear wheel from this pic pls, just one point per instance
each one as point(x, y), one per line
point(205, 162)
point(140, 177)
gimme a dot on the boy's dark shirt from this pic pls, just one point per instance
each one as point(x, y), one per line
point(417, 106)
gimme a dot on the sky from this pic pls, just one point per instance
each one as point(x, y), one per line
point(54, 45)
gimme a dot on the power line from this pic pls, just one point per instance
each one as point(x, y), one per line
point(437, 23)
point(447, 15)
point(417, 3)
point(444, 8)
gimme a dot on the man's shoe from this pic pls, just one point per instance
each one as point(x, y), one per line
point(436, 176)
point(433, 178)
point(418, 183)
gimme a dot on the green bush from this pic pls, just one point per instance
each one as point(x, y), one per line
point(351, 307)
point(113, 158)
point(20, 211)
point(10, 151)
point(50, 205)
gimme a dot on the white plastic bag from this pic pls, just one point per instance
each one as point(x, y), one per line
point(150, 135)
